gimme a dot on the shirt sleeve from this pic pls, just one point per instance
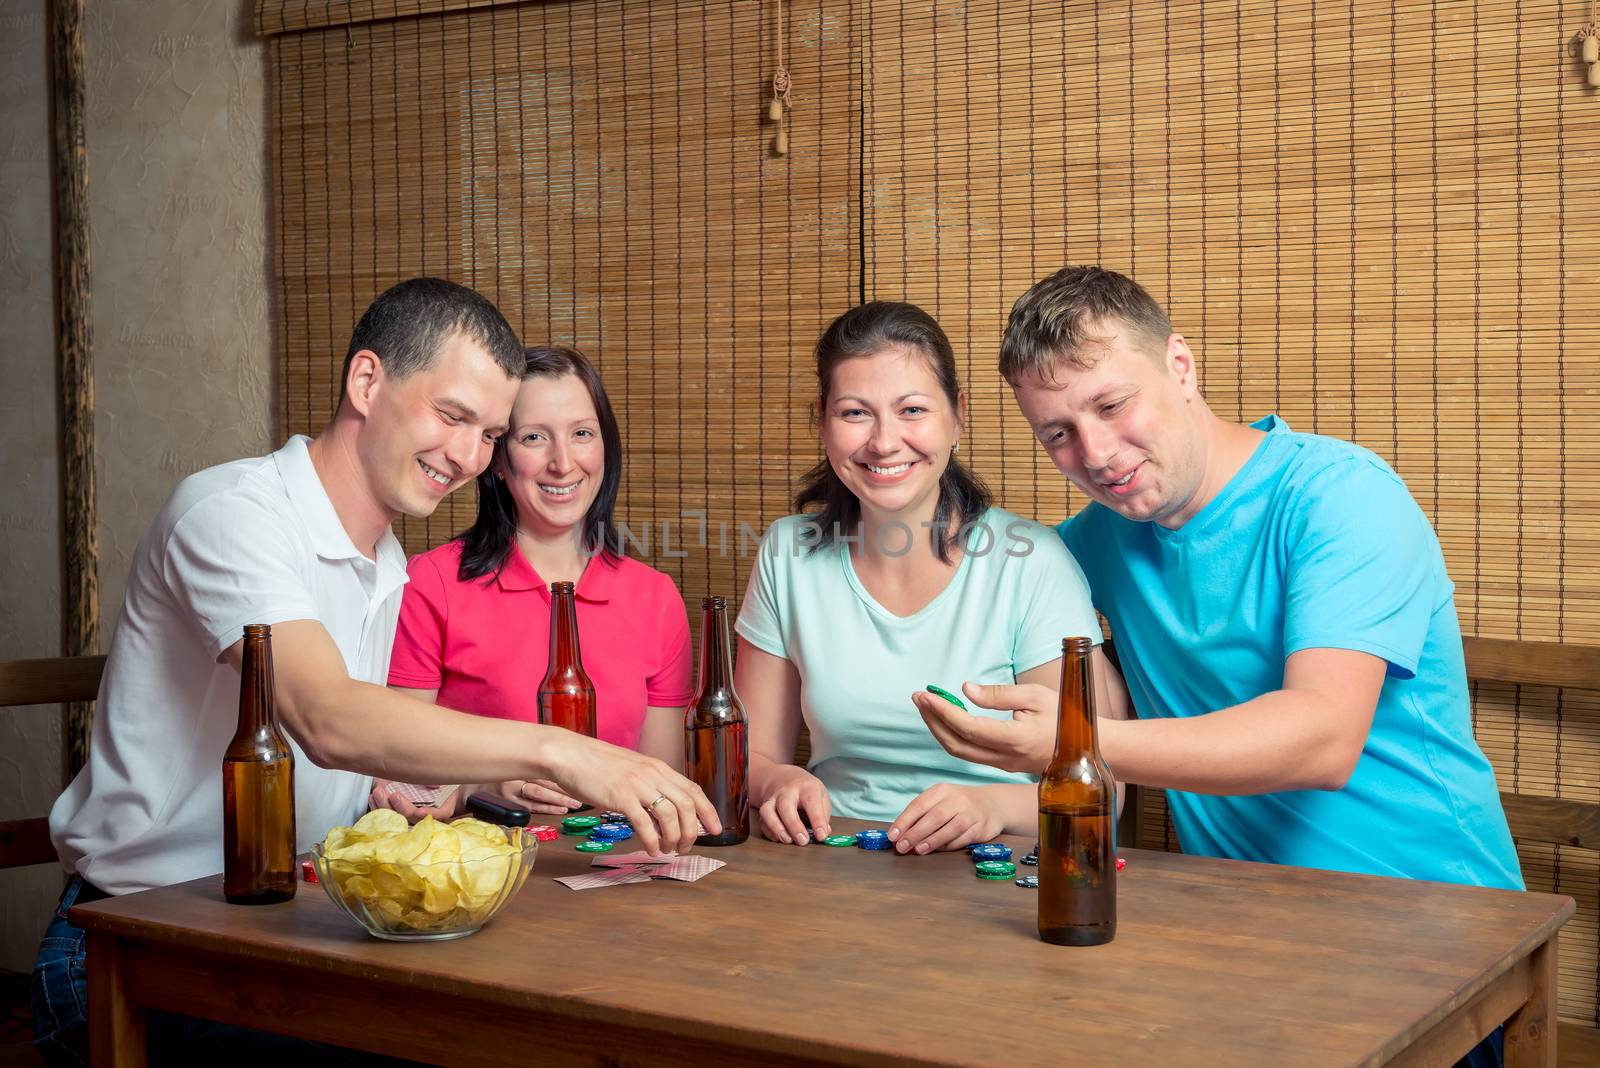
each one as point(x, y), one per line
point(232, 562)
point(761, 621)
point(1364, 570)
point(672, 684)
point(1053, 598)
point(418, 658)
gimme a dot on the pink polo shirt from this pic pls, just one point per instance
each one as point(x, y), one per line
point(484, 644)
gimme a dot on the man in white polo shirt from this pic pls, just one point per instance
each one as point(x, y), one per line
point(301, 540)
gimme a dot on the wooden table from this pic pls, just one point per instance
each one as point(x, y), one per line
point(815, 955)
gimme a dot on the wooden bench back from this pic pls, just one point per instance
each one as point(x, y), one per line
point(1552, 820)
point(55, 680)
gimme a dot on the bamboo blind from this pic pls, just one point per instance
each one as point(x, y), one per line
point(1366, 217)
point(1376, 219)
point(604, 173)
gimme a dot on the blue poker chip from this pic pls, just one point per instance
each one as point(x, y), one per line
point(873, 840)
point(982, 845)
point(990, 851)
point(611, 832)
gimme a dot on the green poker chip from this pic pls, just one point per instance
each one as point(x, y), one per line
point(994, 869)
point(580, 823)
point(594, 847)
point(839, 840)
point(940, 691)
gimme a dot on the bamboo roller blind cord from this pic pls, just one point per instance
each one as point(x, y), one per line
point(781, 85)
point(1588, 42)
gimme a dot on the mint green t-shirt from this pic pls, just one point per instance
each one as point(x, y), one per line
point(1016, 593)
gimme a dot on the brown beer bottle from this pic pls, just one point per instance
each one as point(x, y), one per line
point(566, 696)
point(715, 747)
point(1077, 806)
point(257, 788)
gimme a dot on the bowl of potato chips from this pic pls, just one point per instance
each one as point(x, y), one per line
point(424, 881)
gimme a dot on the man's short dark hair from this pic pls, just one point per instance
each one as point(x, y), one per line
point(410, 322)
point(1059, 319)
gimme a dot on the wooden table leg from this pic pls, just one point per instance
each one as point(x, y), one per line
point(1531, 1031)
point(116, 1024)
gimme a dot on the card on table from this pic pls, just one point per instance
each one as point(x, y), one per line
point(672, 866)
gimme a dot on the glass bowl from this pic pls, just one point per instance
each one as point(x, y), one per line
point(426, 902)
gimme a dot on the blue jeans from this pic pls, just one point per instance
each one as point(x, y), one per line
point(60, 1004)
point(61, 1015)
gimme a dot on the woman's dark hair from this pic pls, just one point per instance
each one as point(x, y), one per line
point(487, 543)
point(862, 331)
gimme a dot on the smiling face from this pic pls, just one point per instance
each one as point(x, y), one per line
point(425, 434)
point(888, 429)
point(1126, 430)
point(554, 459)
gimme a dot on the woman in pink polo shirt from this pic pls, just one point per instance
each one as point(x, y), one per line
point(474, 630)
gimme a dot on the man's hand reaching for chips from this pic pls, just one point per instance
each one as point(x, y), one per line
point(667, 810)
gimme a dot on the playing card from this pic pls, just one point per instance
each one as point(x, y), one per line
point(672, 866)
point(604, 877)
point(424, 796)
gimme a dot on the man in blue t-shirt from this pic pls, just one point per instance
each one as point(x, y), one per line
point(1286, 627)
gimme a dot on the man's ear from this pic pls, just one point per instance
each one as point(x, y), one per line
point(1182, 364)
point(363, 380)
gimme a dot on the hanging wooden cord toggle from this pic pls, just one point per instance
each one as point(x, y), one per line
point(1588, 45)
point(778, 109)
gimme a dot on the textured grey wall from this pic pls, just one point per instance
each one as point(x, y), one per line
point(181, 322)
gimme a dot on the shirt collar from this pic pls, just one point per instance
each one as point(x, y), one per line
point(310, 500)
point(595, 585)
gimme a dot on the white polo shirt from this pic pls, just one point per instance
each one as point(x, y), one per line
point(253, 541)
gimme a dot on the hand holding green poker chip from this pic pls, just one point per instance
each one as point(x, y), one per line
point(940, 691)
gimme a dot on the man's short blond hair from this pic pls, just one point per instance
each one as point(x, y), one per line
point(1062, 319)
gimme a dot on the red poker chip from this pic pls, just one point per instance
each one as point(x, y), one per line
point(308, 871)
point(544, 832)
point(1122, 862)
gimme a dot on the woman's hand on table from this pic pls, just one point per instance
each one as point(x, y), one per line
point(945, 816)
point(787, 792)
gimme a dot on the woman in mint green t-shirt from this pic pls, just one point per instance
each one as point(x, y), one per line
point(898, 573)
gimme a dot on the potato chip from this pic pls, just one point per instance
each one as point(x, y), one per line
point(427, 876)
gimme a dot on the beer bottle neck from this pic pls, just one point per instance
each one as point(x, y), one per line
point(257, 711)
point(1075, 726)
point(563, 632)
point(716, 660)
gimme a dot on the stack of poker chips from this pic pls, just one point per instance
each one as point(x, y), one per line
point(600, 833)
point(544, 832)
point(993, 861)
point(1032, 859)
point(873, 840)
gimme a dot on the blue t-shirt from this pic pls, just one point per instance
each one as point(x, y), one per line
point(1315, 543)
point(1015, 594)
